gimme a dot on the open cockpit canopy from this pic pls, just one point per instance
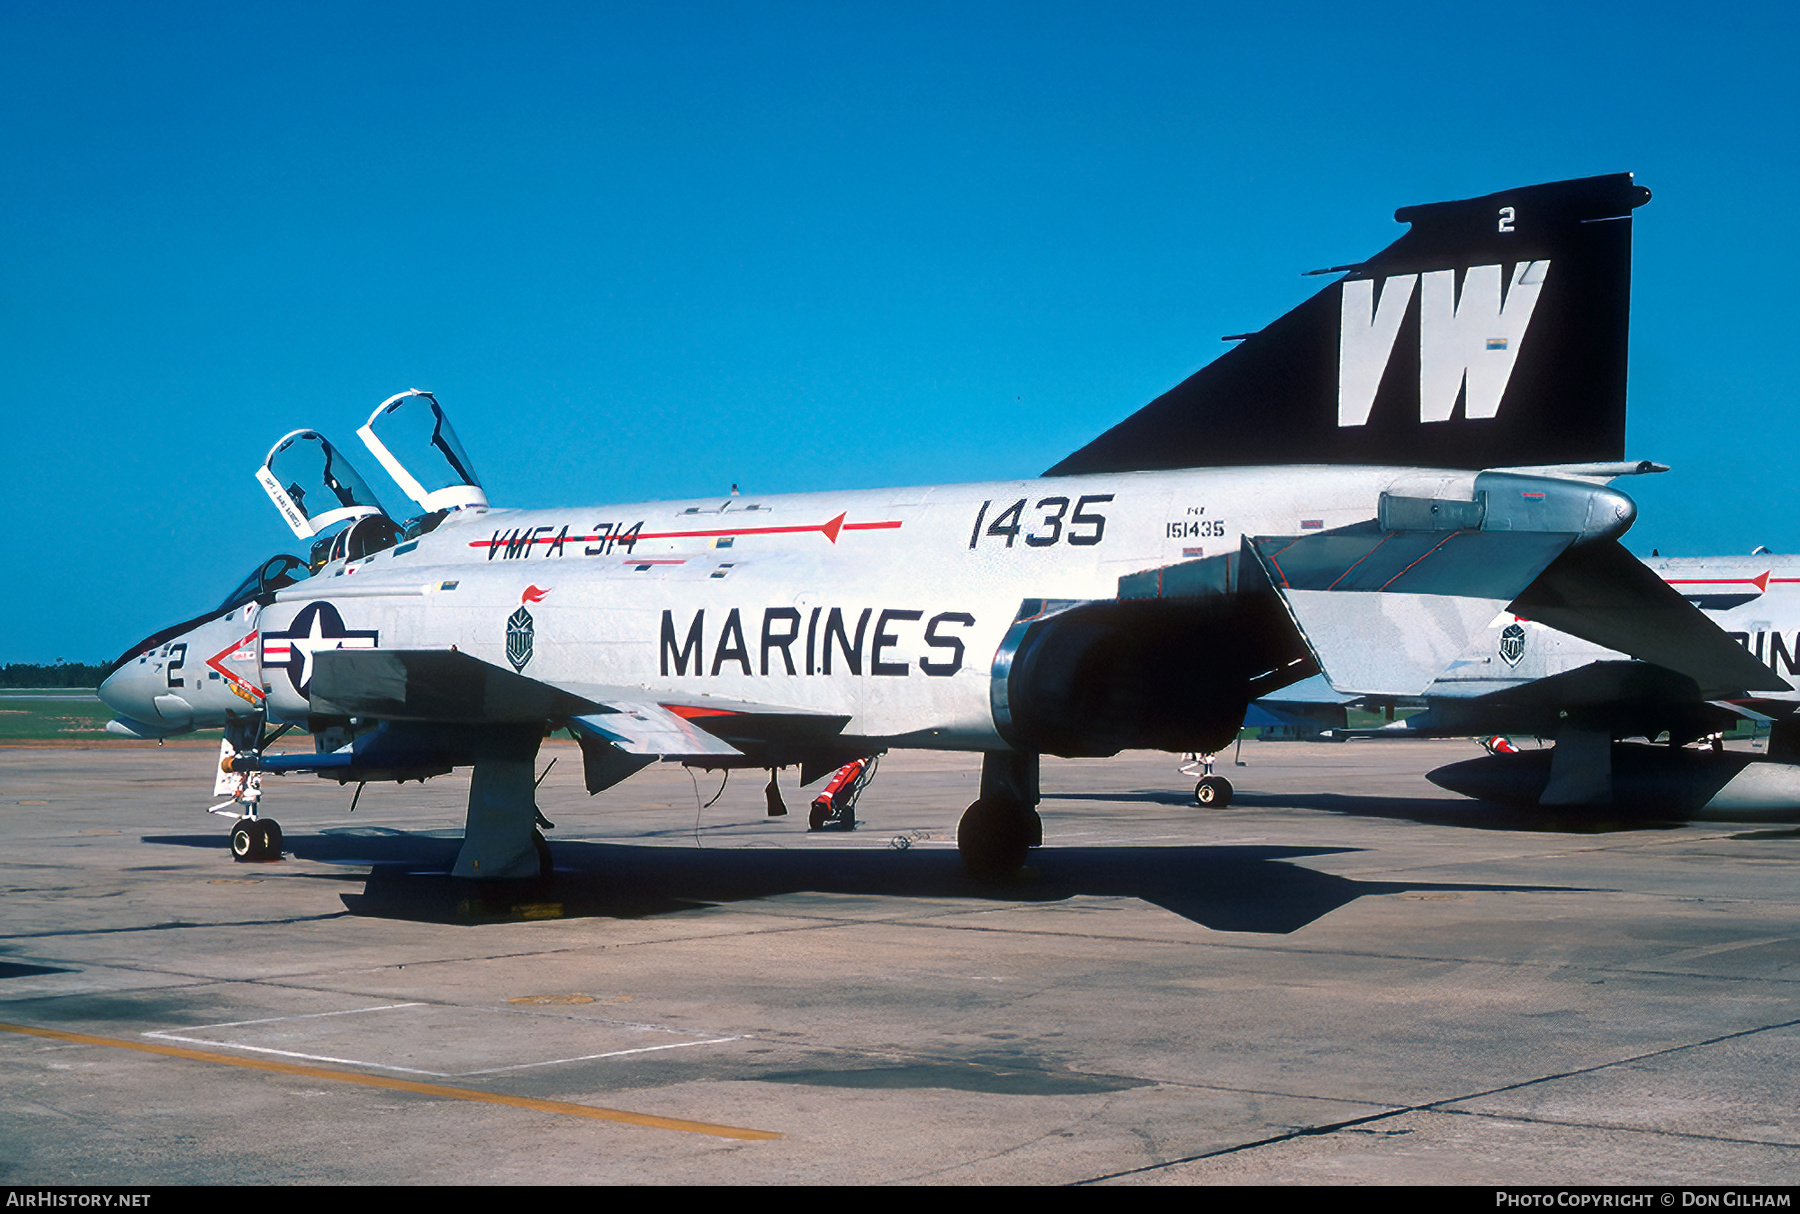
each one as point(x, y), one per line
point(418, 447)
point(313, 485)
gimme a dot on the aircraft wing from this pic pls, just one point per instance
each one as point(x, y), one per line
point(1386, 605)
point(1601, 593)
point(620, 729)
point(432, 685)
point(643, 727)
point(1385, 612)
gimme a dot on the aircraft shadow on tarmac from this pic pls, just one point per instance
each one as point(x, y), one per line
point(21, 969)
point(1464, 812)
point(1141, 796)
point(1235, 888)
point(1431, 811)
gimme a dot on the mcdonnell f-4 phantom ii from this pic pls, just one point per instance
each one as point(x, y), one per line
point(1358, 488)
point(1524, 677)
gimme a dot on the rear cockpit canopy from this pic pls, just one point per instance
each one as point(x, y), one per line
point(418, 447)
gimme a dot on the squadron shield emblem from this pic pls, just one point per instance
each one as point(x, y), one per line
point(1512, 644)
point(518, 638)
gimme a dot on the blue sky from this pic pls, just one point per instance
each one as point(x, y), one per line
point(648, 251)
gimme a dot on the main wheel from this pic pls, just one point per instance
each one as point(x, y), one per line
point(993, 837)
point(269, 836)
point(246, 841)
point(1213, 792)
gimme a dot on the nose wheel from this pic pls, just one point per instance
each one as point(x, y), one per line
point(255, 839)
point(239, 777)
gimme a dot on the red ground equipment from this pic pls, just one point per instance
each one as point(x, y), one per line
point(835, 807)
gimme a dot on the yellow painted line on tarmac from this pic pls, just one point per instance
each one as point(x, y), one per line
point(404, 1085)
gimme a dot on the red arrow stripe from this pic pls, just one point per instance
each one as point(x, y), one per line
point(829, 530)
point(1761, 583)
point(216, 658)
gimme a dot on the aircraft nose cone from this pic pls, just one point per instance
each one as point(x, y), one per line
point(129, 692)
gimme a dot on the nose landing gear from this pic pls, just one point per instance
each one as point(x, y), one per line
point(253, 839)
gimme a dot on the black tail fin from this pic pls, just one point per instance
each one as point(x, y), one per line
point(1493, 334)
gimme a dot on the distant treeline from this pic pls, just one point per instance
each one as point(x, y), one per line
point(58, 674)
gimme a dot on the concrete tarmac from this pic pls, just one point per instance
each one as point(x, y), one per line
point(1346, 976)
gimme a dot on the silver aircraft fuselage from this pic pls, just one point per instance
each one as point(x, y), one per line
point(884, 605)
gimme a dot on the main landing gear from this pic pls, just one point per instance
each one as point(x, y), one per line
point(1003, 824)
point(501, 839)
point(255, 839)
point(1212, 792)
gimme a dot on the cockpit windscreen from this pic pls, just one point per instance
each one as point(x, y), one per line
point(266, 578)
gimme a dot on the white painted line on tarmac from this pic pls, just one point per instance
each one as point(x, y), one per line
point(675, 1045)
point(407, 1085)
point(177, 1035)
point(263, 1049)
point(232, 1024)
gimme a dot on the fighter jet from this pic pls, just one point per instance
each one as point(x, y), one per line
point(1523, 677)
point(1358, 488)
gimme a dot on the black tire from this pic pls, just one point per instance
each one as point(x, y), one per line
point(270, 838)
point(819, 815)
point(246, 841)
point(993, 837)
point(1213, 792)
